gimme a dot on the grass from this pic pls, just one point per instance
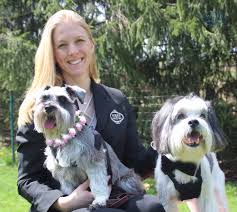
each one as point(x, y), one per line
point(231, 192)
point(10, 200)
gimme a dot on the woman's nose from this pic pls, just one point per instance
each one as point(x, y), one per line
point(72, 50)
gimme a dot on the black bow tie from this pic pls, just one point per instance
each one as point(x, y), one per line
point(169, 166)
point(186, 191)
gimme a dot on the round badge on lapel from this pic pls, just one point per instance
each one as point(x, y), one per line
point(116, 117)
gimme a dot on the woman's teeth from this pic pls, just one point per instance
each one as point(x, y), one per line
point(74, 62)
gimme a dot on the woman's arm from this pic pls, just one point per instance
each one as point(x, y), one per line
point(35, 182)
point(137, 156)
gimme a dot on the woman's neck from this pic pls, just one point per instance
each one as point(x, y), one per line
point(82, 82)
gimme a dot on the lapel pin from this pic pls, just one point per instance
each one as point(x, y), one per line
point(116, 117)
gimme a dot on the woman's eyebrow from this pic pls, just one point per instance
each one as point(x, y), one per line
point(64, 41)
point(80, 37)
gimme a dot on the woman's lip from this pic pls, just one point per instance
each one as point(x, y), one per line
point(74, 62)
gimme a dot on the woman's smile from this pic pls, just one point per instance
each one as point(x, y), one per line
point(73, 50)
point(75, 62)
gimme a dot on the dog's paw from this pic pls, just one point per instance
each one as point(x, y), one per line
point(95, 206)
point(98, 203)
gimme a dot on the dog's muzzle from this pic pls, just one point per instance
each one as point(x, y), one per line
point(50, 121)
point(193, 123)
point(49, 109)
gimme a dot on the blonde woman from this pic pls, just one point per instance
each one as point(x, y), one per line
point(66, 54)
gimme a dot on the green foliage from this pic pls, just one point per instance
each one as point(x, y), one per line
point(6, 156)
point(9, 198)
point(163, 48)
point(144, 47)
point(16, 64)
point(16, 70)
point(226, 112)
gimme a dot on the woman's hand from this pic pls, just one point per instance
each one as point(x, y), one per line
point(79, 198)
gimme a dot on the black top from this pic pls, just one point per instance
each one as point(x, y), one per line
point(35, 182)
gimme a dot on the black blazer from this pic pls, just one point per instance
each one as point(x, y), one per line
point(116, 124)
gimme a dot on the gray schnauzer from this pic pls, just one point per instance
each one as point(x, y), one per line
point(72, 152)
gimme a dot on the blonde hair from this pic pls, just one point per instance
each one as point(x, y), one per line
point(45, 66)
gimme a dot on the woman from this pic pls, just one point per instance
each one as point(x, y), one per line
point(66, 54)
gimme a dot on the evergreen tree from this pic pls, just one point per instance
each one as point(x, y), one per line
point(144, 47)
point(171, 48)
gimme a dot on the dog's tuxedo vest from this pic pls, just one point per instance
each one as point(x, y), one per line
point(186, 191)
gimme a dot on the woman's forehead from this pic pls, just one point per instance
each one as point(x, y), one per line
point(68, 29)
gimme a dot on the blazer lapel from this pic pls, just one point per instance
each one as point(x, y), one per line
point(102, 105)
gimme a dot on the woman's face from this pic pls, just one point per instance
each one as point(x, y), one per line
point(72, 50)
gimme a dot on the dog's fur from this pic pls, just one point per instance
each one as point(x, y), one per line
point(78, 160)
point(185, 129)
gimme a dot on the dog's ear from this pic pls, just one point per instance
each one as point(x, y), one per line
point(162, 126)
point(219, 137)
point(161, 129)
point(76, 92)
point(191, 95)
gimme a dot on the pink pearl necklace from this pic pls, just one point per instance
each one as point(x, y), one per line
point(65, 138)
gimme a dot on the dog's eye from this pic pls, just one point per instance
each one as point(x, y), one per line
point(180, 116)
point(203, 115)
point(45, 97)
point(62, 99)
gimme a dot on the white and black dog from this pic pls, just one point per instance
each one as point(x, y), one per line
point(186, 133)
point(73, 152)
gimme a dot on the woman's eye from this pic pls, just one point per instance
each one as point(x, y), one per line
point(62, 99)
point(180, 116)
point(79, 41)
point(203, 115)
point(61, 45)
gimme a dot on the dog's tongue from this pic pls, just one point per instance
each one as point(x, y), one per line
point(49, 124)
point(194, 138)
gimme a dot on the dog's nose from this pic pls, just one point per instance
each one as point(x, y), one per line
point(193, 123)
point(49, 109)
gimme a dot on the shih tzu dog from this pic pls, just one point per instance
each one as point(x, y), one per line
point(74, 151)
point(186, 133)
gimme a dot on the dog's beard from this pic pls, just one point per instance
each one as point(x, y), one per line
point(190, 145)
point(53, 125)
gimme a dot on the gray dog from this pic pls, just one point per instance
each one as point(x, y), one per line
point(72, 154)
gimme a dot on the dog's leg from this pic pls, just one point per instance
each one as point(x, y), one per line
point(97, 174)
point(124, 177)
point(167, 194)
point(218, 177)
point(193, 205)
point(165, 198)
point(131, 183)
point(58, 172)
point(170, 205)
point(66, 177)
point(66, 187)
point(207, 200)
